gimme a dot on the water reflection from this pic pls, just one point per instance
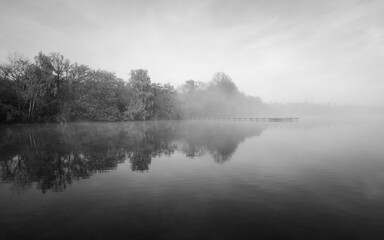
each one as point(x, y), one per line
point(53, 156)
point(220, 139)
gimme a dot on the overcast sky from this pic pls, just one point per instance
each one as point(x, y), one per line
point(283, 51)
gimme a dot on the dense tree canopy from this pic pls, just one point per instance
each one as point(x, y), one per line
point(51, 88)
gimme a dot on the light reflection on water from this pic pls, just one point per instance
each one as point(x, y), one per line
point(192, 179)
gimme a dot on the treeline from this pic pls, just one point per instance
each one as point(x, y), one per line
point(52, 89)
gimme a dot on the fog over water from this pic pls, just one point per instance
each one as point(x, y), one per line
point(192, 179)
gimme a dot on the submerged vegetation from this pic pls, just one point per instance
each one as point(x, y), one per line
point(52, 89)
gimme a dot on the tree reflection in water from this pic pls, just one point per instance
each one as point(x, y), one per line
point(53, 156)
point(219, 138)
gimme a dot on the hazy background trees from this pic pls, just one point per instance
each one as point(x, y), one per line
point(219, 97)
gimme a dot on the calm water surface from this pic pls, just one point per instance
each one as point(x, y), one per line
point(192, 180)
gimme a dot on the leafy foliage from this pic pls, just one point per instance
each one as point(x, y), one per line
point(52, 89)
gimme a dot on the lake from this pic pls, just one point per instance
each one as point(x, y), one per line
point(193, 180)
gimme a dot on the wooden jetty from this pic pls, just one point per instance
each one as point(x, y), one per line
point(256, 119)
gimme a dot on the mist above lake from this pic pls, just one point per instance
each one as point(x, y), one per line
point(192, 179)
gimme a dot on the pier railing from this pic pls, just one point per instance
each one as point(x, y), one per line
point(256, 119)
